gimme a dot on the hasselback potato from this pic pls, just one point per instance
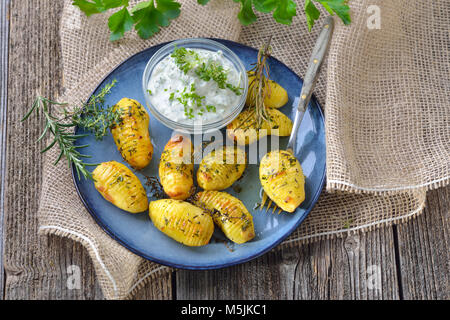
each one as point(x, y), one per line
point(220, 168)
point(229, 213)
point(275, 96)
point(282, 178)
point(176, 168)
point(117, 184)
point(182, 221)
point(244, 129)
point(131, 133)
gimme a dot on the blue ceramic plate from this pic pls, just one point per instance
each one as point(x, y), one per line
point(137, 233)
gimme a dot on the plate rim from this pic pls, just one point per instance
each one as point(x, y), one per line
point(107, 230)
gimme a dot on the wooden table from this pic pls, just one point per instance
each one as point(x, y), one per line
point(412, 258)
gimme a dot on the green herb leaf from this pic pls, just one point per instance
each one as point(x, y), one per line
point(119, 23)
point(312, 13)
point(98, 6)
point(88, 7)
point(265, 6)
point(110, 4)
point(285, 11)
point(246, 16)
point(149, 18)
point(340, 7)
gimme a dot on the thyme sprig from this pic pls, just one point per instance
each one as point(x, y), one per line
point(187, 60)
point(91, 116)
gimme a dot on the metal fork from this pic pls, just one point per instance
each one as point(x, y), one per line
point(312, 73)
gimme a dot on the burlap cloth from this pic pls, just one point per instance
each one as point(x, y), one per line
point(386, 95)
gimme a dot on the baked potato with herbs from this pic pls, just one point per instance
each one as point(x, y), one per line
point(275, 96)
point(220, 168)
point(244, 129)
point(176, 168)
point(131, 133)
point(282, 178)
point(229, 213)
point(117, 184)
point(182, 221)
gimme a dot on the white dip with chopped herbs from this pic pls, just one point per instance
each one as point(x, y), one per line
point(194, 85)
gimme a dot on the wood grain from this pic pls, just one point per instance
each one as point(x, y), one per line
point(424, 246)
point(4, 34)
point(37, 267)
point(329, 269)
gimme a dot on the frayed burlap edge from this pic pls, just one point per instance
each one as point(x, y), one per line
point(347, 187)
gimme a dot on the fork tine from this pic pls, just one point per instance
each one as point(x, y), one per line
point(275, 207)
point(269, 205)
point(263, 200)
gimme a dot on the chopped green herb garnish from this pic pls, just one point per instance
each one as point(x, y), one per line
point(188, 60)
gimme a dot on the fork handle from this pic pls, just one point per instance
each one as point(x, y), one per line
point(315, 62)
point(312, 73)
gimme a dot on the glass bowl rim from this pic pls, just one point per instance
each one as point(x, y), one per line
point(195, 128)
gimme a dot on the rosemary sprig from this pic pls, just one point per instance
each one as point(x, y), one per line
point(91, 116)
point(259, 86)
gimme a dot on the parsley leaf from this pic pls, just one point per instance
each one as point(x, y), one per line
point(88, 7)
point(110, 4)
point(283, 10)
point(265, 6)
point(312, 13)
point(149, 18)
point(246, 16)
point(119, 23)
point(338, 7)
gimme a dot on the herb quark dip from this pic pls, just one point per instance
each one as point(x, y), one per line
point(195, 85)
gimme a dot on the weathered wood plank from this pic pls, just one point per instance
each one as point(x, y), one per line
point(349, 268)
point(424, 246)
point(4, 34)
point(366, 267)
point(39, 267)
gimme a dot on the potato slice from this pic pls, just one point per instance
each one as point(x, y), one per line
point(276, 96)
point(220, 168)
point(282, 178)
point(229, 213)
point(131, 134)
point(117, 184)
point(176, 168)
point(243, 129)
point(182, 221)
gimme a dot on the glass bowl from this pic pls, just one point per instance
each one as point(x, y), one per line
point(197, 126)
